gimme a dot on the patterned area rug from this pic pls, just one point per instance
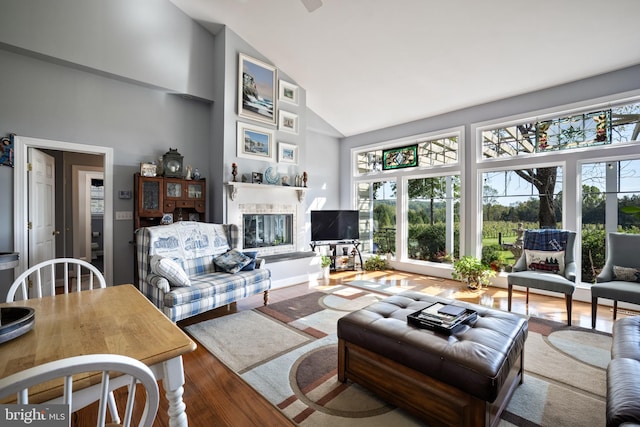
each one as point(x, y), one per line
point(287, 351)
point(431, 286)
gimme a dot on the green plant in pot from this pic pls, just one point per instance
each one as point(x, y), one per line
point(375, 263)
point(325, 262)
point(473, 271)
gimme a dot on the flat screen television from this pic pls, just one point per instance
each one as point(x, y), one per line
point(334, 225)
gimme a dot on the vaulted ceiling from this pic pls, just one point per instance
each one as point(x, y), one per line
point(369, 64)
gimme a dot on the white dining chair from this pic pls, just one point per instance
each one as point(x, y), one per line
point(116, 370)
point(44, 276)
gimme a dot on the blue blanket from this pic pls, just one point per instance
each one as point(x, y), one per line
point(546, 240)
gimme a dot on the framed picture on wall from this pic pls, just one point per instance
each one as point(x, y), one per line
point(255, 142)
point(287, 153)
point(288, 122)
point(6, 150)
point(256, 178)
point(288, 92)
point(256, 90)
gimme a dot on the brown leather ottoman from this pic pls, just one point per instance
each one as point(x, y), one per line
point(462, 379)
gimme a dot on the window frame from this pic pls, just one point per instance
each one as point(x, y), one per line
point(471, 164)
point(571, 161)
point(401, 177)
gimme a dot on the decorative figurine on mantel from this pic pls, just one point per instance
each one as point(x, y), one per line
point(304, 178)
point(234, 171)
point(188, 177)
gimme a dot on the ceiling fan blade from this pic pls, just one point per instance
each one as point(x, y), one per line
point(311, 5)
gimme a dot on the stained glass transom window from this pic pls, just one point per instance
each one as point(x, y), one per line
point(608, 126)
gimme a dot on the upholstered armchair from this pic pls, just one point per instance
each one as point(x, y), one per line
point(620, 275)
point(547, 263)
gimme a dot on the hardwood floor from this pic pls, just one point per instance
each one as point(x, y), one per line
point(215, 396)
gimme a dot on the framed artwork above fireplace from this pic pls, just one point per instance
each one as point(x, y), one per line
point(255, 142)
point(256, 90)
point(287, 153)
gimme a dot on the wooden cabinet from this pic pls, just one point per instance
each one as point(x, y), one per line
point(186, 198)
point(173, 199)
point(149, 196)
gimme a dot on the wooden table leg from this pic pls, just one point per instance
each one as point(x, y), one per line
point(172, 376)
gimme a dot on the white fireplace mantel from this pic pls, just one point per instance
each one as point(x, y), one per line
point(234, 188)
point(250, 199)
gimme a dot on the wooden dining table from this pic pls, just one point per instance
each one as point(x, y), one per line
point(116, 319)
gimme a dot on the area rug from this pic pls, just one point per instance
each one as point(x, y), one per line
point(430, 285)
point(287, 351)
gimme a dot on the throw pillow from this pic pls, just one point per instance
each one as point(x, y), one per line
point(232, 261)
point(626, 274)
point(252, 264)
point(169, 269)
point(549, 261)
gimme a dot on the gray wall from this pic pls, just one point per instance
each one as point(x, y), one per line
point(226, 135)
point(138, 76)
point(105, 74)
point(147, 41)
point(50, 101)
point(323, 154)
point(317, 141)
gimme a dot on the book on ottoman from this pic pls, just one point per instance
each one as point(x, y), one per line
point(452, 310)
point(441, 317)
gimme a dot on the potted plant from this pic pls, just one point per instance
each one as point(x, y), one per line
point(375, 263)
point(493, 257)
point(499, 263)
point(325, 263)
point(471, 270)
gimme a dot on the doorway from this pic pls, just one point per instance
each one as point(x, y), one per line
point(21, 205)
point(88, 214)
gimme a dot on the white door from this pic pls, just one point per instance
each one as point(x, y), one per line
point(41, 217)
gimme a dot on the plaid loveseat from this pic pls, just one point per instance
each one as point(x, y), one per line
point(194, 245)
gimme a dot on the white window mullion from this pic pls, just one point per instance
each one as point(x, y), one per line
point(450, 219)
point(611, 210)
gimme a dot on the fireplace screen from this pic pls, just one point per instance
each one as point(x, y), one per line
point(267, 230)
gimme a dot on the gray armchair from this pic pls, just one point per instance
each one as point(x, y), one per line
point(622, 251)
point(548, 281)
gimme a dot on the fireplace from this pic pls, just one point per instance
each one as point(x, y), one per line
point(270, 218)
point(266, 230)
point(272, 221)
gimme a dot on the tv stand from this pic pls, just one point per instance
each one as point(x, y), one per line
point(335, 256)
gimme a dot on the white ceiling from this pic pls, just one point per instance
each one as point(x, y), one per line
point(369, 64)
